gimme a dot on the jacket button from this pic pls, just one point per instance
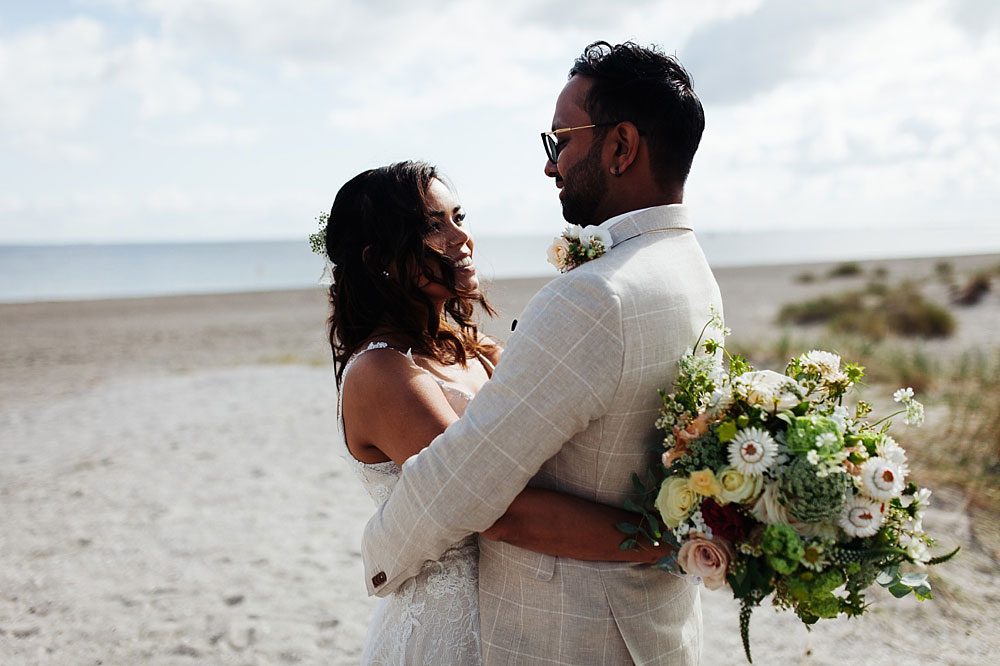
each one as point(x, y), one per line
point(378, 578)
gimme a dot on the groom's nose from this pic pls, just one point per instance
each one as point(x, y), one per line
point(550, 169)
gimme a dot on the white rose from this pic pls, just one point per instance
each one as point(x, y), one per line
point(735, 487)
point(558, 253)
point(768, 389)
point(675, 501)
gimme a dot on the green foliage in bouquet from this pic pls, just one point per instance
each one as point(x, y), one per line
point(794, 496)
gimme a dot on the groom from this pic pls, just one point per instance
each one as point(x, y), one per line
point(573, 403)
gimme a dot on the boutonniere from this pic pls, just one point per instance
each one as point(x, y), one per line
point(578, 245)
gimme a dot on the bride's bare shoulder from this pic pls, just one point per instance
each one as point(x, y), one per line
point(376, 366)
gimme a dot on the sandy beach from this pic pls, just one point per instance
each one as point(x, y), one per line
point(170, 490)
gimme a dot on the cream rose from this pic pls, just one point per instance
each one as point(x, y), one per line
point(706, 558)
point(768, 389)
point(703, 482)
point(558, 253)
point(768, 510)
point(734, 486)
point(675, 500)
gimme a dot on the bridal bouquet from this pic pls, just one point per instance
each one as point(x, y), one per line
point(770, 485)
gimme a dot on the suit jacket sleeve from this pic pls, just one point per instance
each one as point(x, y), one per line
point(559, 372)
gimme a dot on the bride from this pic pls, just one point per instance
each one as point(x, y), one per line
point(409, 359)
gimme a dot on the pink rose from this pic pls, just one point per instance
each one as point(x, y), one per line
point(706, 558)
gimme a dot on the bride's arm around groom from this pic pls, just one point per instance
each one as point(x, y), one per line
point(559, 372)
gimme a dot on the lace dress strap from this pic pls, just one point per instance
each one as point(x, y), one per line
point(457, 396)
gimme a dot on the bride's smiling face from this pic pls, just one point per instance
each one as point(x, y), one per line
point(448, 234)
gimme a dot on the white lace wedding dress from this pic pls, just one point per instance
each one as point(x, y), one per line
point(433, 618)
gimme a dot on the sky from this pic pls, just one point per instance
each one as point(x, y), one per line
point(186, 120)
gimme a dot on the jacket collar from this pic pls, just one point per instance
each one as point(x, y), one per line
point(657, 218)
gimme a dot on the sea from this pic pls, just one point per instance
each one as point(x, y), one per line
point(89, 271)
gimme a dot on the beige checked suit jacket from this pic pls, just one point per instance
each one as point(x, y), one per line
point(570, 408)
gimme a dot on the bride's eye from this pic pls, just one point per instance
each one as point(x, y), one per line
point(459, 219)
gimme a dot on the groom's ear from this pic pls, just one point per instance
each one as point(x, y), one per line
point(626, 140)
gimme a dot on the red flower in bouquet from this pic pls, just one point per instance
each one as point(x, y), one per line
point(726, 521)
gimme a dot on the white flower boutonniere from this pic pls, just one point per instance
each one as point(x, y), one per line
point(577, 245)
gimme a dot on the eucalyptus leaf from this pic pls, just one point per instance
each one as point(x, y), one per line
point(628, 528)
point(913, 579)
point(899, 590)
point(888, 576)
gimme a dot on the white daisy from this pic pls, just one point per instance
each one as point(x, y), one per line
point(752, 451)
point(814, 557)
point(572, 231)
point(860, 517)
point(881, 479)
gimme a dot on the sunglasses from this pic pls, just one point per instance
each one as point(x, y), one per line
point(552, 146)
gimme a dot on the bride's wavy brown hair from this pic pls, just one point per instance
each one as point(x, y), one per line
point(375, 238)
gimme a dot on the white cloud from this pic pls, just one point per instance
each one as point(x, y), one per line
point(52, 75)
point(818, 113)
point(882, 120)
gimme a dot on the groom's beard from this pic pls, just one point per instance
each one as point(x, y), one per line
point(584, 188)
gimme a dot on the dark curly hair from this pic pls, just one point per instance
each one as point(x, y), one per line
point(375, 238)
point(650, 89)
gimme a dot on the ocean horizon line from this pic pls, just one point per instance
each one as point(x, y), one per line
point(548, 234)
point(40, 273)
